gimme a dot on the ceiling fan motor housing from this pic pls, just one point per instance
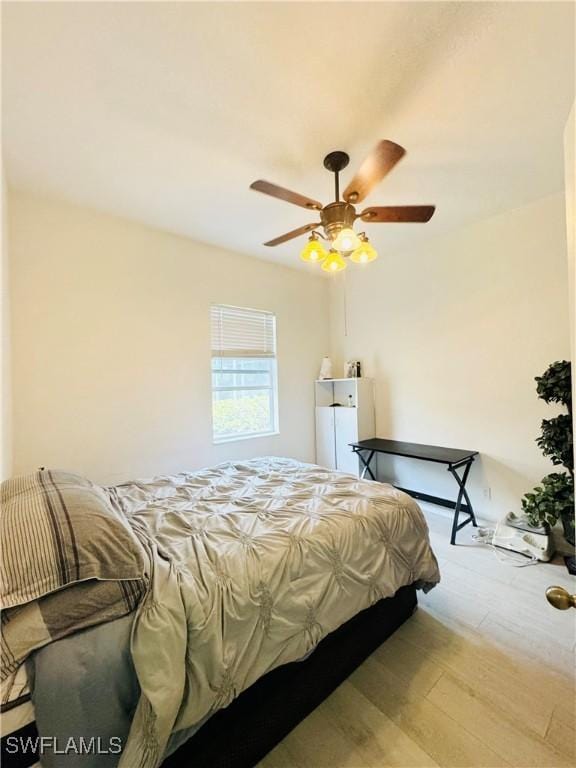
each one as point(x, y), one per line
point(337, 216)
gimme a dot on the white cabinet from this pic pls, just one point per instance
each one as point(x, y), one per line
point(344, 415)
point(346, 432)
point(325, 443)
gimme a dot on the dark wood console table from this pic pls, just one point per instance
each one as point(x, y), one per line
point(454, 458)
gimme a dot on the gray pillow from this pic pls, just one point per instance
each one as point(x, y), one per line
point(59, 529)
point(52, 617)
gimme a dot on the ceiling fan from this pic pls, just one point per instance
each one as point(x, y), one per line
point(337, 218)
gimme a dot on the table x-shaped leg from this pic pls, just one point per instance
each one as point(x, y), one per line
point(366, 463)
point(462, 493)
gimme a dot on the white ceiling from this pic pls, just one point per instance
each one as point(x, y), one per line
point(166, 112)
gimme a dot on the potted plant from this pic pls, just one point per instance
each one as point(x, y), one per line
point(553, 499)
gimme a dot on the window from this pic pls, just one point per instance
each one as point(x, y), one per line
point(244, 381)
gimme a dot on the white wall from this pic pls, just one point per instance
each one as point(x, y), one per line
point(454, 332)
point(5, 370)
point(111, 344)
point(569, 166)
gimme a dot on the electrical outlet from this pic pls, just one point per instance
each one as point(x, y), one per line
point(488, 493)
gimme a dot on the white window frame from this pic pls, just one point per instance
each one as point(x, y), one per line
point(272, 371)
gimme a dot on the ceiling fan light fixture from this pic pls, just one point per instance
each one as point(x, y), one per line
point(334, 262)
point(346, 241)
point(313, 252)
point(337, 219)
point(365, 252)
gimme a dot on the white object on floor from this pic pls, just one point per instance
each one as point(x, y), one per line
point(515, 534)
point(503, 555)
point(530, 543)
point(532, 547)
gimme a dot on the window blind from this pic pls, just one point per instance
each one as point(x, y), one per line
point(240, 332)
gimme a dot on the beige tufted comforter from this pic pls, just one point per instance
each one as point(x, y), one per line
point(253, 563)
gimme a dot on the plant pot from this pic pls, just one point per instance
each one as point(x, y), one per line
point(567, 518)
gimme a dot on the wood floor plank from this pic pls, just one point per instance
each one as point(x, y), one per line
point(418, 673)
point(565, 711)
point(457, 608)
point(380, 740)
point(549, 659)
point(514, 603)
point(280, 757)
point(316, 741)
point(508, 736)
point(561, 733)
point(436, 733)
point(545, 669)
point(542, 576)
point(499, 679)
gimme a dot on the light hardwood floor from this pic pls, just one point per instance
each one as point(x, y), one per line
point(482, 675)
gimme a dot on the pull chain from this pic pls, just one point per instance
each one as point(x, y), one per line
point(345, 305)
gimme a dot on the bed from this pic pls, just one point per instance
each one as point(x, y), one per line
point(266, 583)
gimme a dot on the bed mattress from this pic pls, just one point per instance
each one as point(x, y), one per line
point(252, 564)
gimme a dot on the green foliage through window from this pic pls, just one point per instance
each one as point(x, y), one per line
point(243, 397)
point(245, 415)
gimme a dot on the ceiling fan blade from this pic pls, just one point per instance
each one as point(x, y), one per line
point(267, 188)
point(379, 162)
point(294, 233)
point(398, 213)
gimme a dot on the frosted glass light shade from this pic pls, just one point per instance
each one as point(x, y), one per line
point(346, 241)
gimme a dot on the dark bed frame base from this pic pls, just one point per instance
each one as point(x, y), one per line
point(240, 735)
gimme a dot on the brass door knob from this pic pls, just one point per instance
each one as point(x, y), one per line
point(560, 598)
